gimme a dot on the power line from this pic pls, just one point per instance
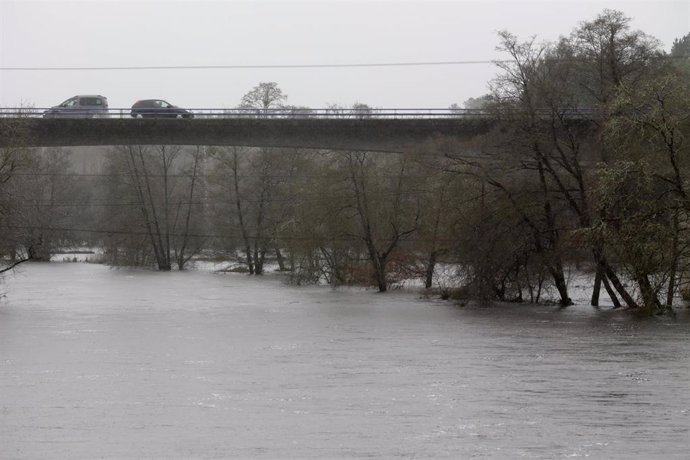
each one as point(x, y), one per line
point(299, 66)
point(260, 66)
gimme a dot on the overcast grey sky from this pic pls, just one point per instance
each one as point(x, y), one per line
point(98, 33)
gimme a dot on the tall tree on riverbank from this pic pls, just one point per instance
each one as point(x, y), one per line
point(650, 135)
point(160, 214)
point(522, 90)
point(384, 211)
point(538, 95)
point(47, 199)
point(13, 159)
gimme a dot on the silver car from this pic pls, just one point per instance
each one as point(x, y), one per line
point(82, 106)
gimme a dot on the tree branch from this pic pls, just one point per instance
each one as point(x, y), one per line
point(14, 264)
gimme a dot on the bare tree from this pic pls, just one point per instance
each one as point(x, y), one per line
point(231, 172)
point(317, 228)
point(253, 186)
point(13, 159)
point(263, 97)
point(608, 54)
point(189, 214)
point(385, 217)
point(516, 91)
point(44, 202)
point(163, 202)
point(261, 170)
point(443, 195)
point(361, 110)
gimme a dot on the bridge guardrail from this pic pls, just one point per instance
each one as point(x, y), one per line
point(288, 113)
point(125, 113)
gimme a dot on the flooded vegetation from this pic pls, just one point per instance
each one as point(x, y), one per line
point(582, 161)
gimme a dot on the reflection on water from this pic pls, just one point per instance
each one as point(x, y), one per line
point(96, 362)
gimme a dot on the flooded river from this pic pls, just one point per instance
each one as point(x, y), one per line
point(104, 363)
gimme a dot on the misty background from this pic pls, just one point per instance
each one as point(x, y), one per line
point(94, 34)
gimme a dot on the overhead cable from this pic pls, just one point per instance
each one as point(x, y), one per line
point(260, 66)
point(296, 66)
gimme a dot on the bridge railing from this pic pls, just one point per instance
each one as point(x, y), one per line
point(276, 113)
point(126, 113)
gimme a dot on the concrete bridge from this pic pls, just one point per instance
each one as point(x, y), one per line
point(373, 134)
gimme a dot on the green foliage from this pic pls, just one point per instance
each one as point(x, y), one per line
point(681, 47)
point(626, 208)
point(650, 127)
point(637, 224)
point(680, 54)
point(635, 214)
point(653, 119)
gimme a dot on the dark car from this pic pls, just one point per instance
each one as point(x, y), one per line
point(158, 108)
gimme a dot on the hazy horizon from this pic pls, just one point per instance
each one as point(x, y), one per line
point(282, 33)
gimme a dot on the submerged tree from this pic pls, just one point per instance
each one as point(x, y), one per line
point(46, 199)
point(13, 160)
point(522, 92)
point(384, 212)
point(252, 189)
point(162, 215)
point(539, 96)
point(650, 128)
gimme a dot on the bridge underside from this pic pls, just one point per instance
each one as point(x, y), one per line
point(384, 135)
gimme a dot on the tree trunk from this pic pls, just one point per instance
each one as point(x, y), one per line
point(618, 285)
point(610, 274)
point(561, 285)
point(380, 272)
point(280, 259)
point(150, 218)
point(181, 259)
point(674, 263)
point(259, 258)
point(430, 266)
point(597, 288)
point(611, 292)
point(650, 300)
point(240, 215)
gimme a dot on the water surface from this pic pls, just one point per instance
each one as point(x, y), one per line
point(104, 363)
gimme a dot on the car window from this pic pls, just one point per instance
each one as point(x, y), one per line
point(69, 102)
point(91, 101)
point(165, 105)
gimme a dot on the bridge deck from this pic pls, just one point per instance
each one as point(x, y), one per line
point(393, 135)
